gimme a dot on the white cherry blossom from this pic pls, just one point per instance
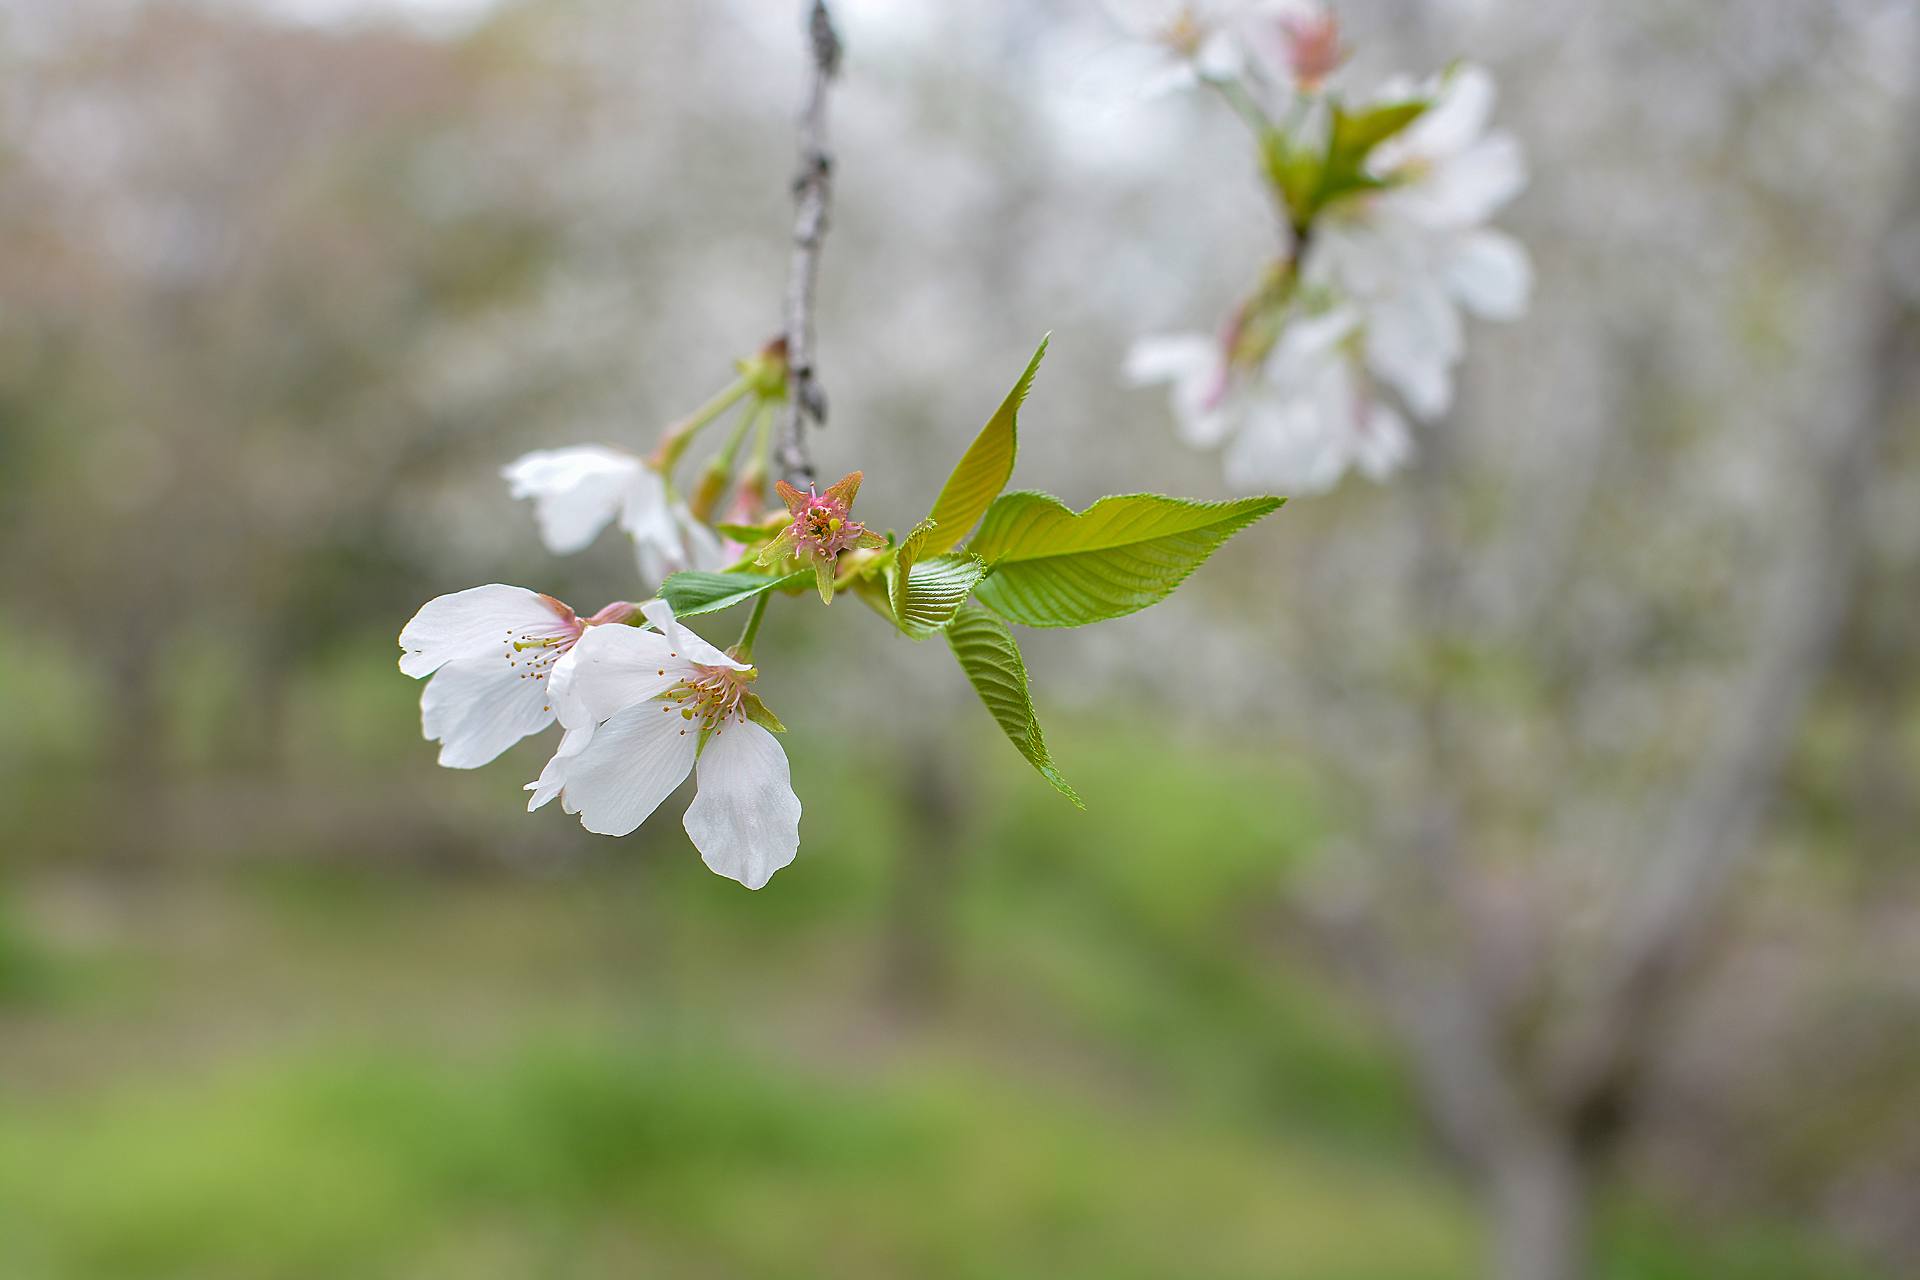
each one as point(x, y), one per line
point(642, 710)
point(1296, 421)
point(578, 491)
point(490, 652)
point(1411, 255)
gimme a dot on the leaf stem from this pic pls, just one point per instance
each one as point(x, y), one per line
point(743, 650)
point(1242, 102)
point(677, 437)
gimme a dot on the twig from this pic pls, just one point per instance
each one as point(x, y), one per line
point(812, 193)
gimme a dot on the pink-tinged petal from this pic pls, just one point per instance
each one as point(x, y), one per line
point(794, 499)
point(633, 762)
point(576, 492)
point(478, 707)
point(745, 820)
point(684, 644)
point(475, 622)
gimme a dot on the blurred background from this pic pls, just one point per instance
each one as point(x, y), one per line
point(1502, 870)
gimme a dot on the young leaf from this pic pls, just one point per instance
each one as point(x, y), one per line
point(903, 560)
point(1353, 139)
point(690, 594)
point(991, 660)
point(1052, 567)
point(983, 470)
point(926, 594)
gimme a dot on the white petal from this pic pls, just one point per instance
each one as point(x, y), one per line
point(1469, 188)
point(554, 775)
point(745, 820)
point(1412, 343)
point(1219, 57)
point(1175, 357)
point(474, 623)
point(575, 492)
point(1383, 444)
point(703, 548)
point(1491, 275)
point(682, 643)
point(632, 763)
point(610, 669)
point(1457, 117)
point(478, 707)
point(648, 518)
point(1290, 446)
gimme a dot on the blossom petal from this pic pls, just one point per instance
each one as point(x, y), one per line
point(554, 775)
point(745, 820)
point(1491, 275)
point(1383, 444)
point(682, 642)
point(471, 624)
point(1458, 116)
point(576, 492)
point(1412, 343)
point(1197, 368)
point(632, 763)
point(1469, 188)
point(611, 669)
point(1294, 447)
point(478, 707)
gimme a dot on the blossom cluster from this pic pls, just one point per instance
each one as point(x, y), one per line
point(1385, 194)
point(640, 698)
point(643, 702)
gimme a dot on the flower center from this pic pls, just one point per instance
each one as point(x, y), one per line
point(824, 527)
point(709, 699)
point(1185, 33)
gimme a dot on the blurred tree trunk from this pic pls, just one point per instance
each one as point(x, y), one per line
point(1532, 1051)
point(917, 964)
point(1539, 1194)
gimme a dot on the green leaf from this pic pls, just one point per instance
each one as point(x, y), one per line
point(926, 594)
point(757, 712)
point(983, 470)
point(903, 560)
point(1353, 139)
point(691, 594)
point(1052, 567)
point(747, 533)
point(1356, 135)
point(991, 660)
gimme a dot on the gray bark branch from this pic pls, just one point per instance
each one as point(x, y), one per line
point(812, 197)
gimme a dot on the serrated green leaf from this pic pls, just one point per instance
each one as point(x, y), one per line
point(983, 469)
point(1053, 567)
point(903, 561)
point(988, 655)
point(691, 594)
point(926, 595)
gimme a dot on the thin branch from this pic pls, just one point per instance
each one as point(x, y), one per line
point(812, 194)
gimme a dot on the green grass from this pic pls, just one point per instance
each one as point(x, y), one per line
point(612, 1063)
point(737, 1165)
